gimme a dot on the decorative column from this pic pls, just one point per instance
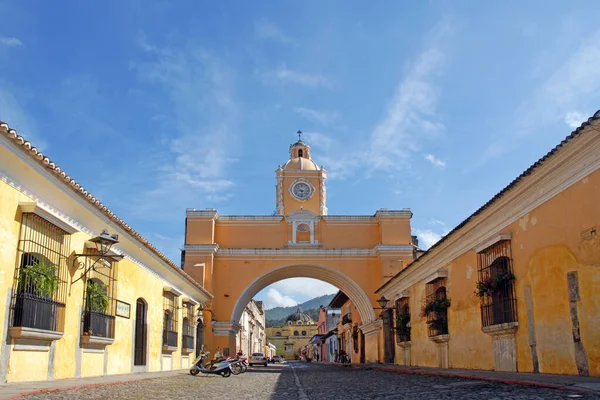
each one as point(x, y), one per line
point(442, 348)
point(371, 331)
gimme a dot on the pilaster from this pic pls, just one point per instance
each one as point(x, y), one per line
point(505, 350)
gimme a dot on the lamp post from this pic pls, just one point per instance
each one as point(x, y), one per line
point(103, 243)
point(386, 315)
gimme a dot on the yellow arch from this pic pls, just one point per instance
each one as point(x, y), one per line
point(336, 278)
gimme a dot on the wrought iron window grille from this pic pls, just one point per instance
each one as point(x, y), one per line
point(170, 308)
point(437, 320)
point(40, 280)
point(498, 305)
point(402, 320)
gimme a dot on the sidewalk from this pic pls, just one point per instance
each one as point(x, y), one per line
point(18, 389)
point(566, 382)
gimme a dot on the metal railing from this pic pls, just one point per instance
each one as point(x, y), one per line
point(347, 319)
point(170, 338)
point(98, 324)
point(188, 342)
point(36, 312)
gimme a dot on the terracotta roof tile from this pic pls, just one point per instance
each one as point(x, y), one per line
point(69, 181)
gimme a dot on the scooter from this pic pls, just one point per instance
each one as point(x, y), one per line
point(218, 367)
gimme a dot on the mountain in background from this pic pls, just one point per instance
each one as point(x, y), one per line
point(277, 316)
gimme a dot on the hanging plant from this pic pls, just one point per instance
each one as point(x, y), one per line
point(402, 320)
point(96, 297)
point(39, 279)
point(493, 284)
point(434, 306)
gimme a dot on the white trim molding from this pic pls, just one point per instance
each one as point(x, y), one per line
point(230, 329)
point(37, 209)
point(498, 237)
point(440, 274)
point(372, 328)
point(170, 289)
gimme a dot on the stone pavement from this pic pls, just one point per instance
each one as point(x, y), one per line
point(568, 382)
point(302, 381)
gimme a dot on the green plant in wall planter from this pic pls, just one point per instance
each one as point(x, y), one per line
point(492, 284)
point(436, 305)
point(39, 279)
point(96, 297)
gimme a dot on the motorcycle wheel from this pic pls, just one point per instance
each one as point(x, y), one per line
point(244, 367)
point(226, 373)
point(194, 372)
point(236, 370)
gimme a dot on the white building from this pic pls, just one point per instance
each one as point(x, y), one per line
point(251, 338)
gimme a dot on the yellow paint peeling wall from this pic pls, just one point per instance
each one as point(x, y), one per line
point(92, 364)
point(28, 366)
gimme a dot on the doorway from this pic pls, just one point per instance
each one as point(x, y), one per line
point(199, 336)
point(141, 332)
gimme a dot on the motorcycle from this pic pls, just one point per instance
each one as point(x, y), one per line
point(220, 366)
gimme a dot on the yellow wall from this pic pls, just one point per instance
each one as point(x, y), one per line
point(546, 244)
point(287, 336)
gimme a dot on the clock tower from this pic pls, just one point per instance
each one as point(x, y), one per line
point(301, 182)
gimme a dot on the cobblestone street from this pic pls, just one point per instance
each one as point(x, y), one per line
point(310, 381)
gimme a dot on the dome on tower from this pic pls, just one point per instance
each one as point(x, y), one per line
point(300, 316)
point(300, 159)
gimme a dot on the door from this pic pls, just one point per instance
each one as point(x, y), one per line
point(362, 348)
point(388, 336)
point(141, 330)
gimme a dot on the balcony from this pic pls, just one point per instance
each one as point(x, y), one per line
point(188, 343)
point(169, 341)
point(37, 312)
point(347, 319)
point(98, 324)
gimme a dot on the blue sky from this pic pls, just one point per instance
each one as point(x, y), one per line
point(157, 106)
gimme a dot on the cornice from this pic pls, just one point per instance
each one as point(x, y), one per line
point(371, 328)
point(289, 251)
point(209, 213)
point(568, 166)
point(405, 213)
point(37, 209)
point(498, 237)
point(250, 218)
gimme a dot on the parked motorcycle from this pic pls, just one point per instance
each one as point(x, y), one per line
point(220, 366)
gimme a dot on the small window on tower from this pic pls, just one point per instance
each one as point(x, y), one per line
point(300, 153)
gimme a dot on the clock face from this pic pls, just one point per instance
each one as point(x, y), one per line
point(301, 190)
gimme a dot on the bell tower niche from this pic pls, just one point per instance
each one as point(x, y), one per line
point(301, 182)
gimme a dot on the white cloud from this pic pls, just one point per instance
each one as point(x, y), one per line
point(275, 299)
point(201, 120)
point(574, 119)
point(323, 117)
point(427, 238)
point(284, 75)
point(435, 161)
point(10, 41)
point(267, 30)
point(572, 86)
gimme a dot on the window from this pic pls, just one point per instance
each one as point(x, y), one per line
point(300, 153)
point(99, 295)
point(188, 328)
point(278, 334)
point(437, 320)
point(495, 265)
point(303, 333)
point(295, 333)
point(402, 320)
point(40, 281)
point(170, 319)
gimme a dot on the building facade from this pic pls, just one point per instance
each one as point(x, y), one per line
point(252, 336)
point(356, 253)
point(295, 333)
point(514, 287)
point(327, 329)
point(79, 301)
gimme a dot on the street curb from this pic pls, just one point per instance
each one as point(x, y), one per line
point(466, 376)
point(87, 385)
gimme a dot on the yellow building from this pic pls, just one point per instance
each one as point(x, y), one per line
point(236, 256)
point(514, 287)
point(79, 302)
point(297, 331)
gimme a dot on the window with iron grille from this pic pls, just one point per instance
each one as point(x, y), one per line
point(170, 319)
point(402, 320)
point(437, 319)
point(100, 295)
point(496, 284)
point(188, 326)
point(40, 281)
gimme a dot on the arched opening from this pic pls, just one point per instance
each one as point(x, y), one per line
point(141, 332)
point(300, 153)
point(336, 278)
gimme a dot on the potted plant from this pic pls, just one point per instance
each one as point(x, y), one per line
point(35, 306)
point(95, 321)
point(493, 283)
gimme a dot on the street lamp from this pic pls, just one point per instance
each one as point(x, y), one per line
point(383, 302)
point(104, 242)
